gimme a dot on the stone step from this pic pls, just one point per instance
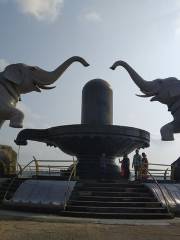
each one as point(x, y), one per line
point(111, 184)
point(114, 199)
point(117, 215)
point(115, 209)
point(113, 194)
point(111, 189)
point(114, 204)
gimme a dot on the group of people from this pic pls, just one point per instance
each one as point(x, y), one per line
point(140, 165)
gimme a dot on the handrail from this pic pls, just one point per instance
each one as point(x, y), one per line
point(159, 164)
point(20, 168)
point(41, 160)
point(159, 172)
point(13, 179)
point(53, 166)
point(165, 199)
point(68, 185)
point(40, 167)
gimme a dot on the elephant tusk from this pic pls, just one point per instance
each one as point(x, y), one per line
point(46, 87)
point(154, 99)
point(37, 88)
point(142, 95)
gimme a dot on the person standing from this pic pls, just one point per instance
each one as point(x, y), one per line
point(144, 167)
point(136, 164)
point(125, 172)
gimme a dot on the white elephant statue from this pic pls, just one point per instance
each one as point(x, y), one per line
point(166, 91)
point(19, 79)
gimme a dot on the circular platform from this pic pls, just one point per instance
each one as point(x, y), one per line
point(89, 143)
point(89, 139)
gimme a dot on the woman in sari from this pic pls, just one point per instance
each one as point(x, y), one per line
point(125, 167)
point(144, 167)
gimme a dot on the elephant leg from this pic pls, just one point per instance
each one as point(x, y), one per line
point(167, 132)
point(16, 118)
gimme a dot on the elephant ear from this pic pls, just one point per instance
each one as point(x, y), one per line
point(13, 73)
point(174, 89)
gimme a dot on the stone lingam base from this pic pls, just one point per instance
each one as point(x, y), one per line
point(93, 146)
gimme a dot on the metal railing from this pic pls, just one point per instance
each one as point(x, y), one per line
point(165, 199)
point(37, 171)
point(15, 177)
point(73, 172)
point(158, 171)
point(162, 173)
point(50, 168)
point(64, 167)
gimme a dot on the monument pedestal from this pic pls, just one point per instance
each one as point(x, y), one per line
point(97, 167)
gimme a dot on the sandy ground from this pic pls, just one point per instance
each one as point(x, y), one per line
point(35, 230)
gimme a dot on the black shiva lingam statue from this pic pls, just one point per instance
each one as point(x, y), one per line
point(95, 141)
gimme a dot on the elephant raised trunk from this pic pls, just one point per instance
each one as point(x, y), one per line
point(145, 86)
point(51, 77)
point(166, 91)
point(19, 79)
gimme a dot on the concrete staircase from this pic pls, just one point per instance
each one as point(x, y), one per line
point(114, 200)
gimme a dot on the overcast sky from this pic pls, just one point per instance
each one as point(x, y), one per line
point(45, 33)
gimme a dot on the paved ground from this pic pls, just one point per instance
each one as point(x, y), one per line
point(31, 230)
point(22, 226)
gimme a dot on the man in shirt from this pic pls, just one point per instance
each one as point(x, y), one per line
point(136, 164)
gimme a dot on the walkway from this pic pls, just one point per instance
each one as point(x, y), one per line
point(16, 225)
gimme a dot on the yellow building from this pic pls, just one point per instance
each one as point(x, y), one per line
point(8, 160)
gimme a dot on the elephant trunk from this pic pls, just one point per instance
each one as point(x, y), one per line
point(50, 77)
point(145, 86)
point(40, 135)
